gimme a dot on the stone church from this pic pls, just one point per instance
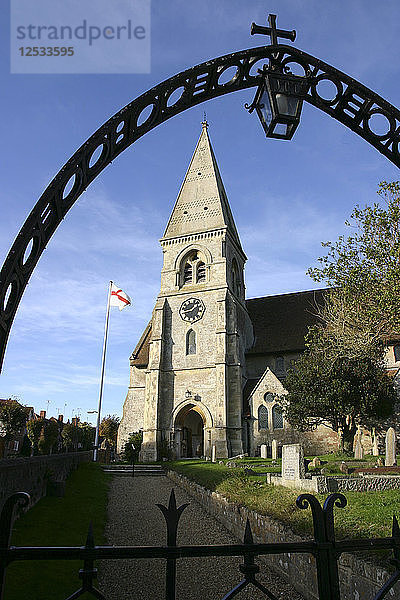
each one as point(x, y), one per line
point(211, 364)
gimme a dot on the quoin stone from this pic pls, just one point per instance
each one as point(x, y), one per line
point(263, 450)
point(293, 461)
point(390, 441)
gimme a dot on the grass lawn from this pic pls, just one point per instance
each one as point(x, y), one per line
point(367, 514)
point(59, 522)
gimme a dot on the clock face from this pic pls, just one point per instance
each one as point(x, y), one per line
point(192, 310)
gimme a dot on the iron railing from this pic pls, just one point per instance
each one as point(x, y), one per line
point(325, 549)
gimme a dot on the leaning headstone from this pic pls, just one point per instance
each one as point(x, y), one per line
point(263, 450)
point(315, 462)
point(358, 450)
point(390, 456)
point(274, 449)
point(214, 454)
point(293, 462)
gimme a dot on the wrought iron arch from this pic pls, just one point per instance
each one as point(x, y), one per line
point(352, 104)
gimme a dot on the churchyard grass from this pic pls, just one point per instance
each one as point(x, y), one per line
point(368, 514)
point(59, 522)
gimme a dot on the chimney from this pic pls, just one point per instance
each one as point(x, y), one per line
point(60, 418)
point(42, 414)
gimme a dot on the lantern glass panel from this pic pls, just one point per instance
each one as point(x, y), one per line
point(287, 105)
point(281, 129)
point(265, 108)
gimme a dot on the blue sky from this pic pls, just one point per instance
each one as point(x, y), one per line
point(286, 197)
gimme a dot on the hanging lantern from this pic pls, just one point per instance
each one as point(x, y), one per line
point(278, 102)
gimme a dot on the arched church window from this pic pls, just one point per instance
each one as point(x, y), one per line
point(268, 397)
point(262, 418)
point(191, 342)
point(187, 273)
point(277, 417)
point(201, 272)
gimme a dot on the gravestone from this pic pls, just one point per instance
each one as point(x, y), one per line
point(390, 442)
point(375, 446)
point(274, 449)
point(358, 450)
point(379, 462)
point(315, 462)
point(344, 468)
point(263, 450)
point(214, 454)
point(293, 462)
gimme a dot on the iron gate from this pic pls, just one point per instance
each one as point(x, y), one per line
point(325, 549)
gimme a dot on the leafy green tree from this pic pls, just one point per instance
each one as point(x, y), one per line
point(132, 447)
point(87, 434)
point(48, 436)
point(338, 391)
point(109, 429)
point(34, 429)
point(363, 269)
point(12, 417)
point(70, 436)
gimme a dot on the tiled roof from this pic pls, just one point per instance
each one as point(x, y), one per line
point(140, 355)
point(281, 322)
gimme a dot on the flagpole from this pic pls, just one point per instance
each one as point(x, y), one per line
point(103, 364)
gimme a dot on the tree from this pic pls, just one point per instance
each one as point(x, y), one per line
point(109, 429)
point(34, 429)
point(337, 390)
point(364, 271)
point(70, 436)
point(87, 435)
point(132, 447)
point(48, 436)
point(12, 417)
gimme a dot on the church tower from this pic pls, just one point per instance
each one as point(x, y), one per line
point(191, 386)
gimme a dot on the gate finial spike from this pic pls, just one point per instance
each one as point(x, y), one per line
point(395, 527)
point(248, 535)
point(90, 536)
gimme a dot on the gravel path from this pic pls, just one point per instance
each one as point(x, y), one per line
point(135, 520)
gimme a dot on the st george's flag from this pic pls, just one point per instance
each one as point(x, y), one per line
point(118, 297)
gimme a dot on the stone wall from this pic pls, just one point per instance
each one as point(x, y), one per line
point(367, 483)
point(38, 473)
point(359, 579)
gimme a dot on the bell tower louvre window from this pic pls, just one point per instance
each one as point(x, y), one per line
point(201, 272)
point(187, 273)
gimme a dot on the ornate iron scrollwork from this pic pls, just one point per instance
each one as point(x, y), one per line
point(351, 103)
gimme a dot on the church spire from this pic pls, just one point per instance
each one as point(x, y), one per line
point(202, 204)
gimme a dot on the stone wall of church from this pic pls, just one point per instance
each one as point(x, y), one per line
point(133, 410)
point(268, 426)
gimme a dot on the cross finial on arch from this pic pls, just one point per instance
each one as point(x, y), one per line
point(272, 31)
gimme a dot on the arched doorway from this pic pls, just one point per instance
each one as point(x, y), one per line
point(189, 432)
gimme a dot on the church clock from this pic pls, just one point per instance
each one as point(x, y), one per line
point(192, 310)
